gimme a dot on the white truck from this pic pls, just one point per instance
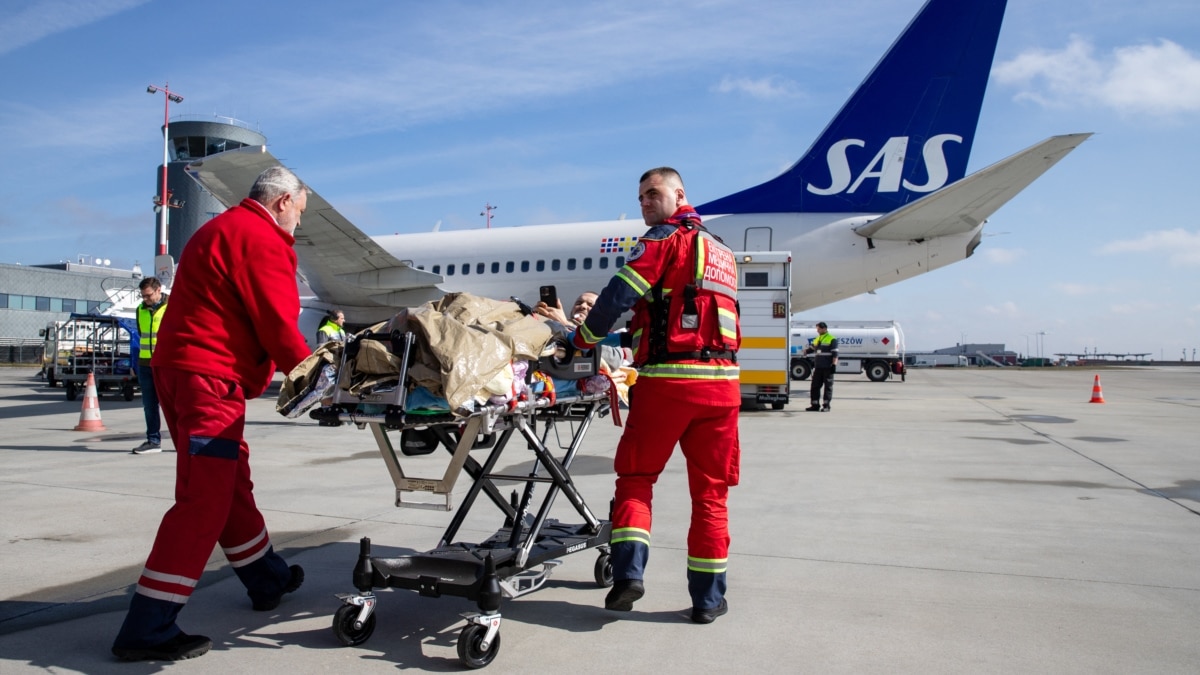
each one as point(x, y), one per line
point(874, 347)
point(936, 361)
point(764, 296)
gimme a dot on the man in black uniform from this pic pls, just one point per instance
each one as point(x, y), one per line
point(824, 349)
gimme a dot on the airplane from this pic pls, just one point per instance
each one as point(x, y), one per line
point(880, 197)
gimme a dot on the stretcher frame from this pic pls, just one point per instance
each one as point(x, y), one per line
point(517, 559)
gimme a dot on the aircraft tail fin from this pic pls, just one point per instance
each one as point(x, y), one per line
point(905, 132)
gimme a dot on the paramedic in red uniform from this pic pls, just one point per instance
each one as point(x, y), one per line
point(233, 316)
point(681, 282)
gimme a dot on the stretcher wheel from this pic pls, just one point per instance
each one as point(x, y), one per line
point(604, 571)
point(469, 651)
point(343, 626)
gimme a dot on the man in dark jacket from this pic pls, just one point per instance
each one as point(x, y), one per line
point(824, 349)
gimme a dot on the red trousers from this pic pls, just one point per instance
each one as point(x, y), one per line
point(214, 502)
point(660, 416)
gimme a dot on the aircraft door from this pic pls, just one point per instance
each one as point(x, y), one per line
point(758, 239)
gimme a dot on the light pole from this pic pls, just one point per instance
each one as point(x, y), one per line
point(164, 201)
point(487, 211)
point(1041, 342)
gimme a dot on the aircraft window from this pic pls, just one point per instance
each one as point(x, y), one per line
point(466, 268)
point(450, 270)
point(495, 268)
point(620, 261)
point(509, 266)
point(420, 267)
point(587, 263)
point(541, 266)
point(524, 265)
point(570, 263)
point(554, 264)
point(437, 269)
point(604, 263)
point(755, 279)
point(479, 268)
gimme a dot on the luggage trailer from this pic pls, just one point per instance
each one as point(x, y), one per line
point(516, 560)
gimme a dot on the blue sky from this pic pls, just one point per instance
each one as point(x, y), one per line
point(406, 114)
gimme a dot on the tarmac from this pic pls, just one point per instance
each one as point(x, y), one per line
point(965, 521)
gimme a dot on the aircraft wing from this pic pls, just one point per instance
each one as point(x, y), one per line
point(963, 205)
point(342, 265)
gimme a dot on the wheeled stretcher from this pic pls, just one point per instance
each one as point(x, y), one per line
point(519, 557)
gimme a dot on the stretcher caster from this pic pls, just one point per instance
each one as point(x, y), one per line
point(475, 650)
point(354, 622)
point(344, 626)
point(604, 571)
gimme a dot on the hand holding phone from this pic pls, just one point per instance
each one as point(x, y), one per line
point(548, 295)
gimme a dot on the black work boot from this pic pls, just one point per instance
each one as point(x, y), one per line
point(623, 594)
point(182, 646)
point(268, 604)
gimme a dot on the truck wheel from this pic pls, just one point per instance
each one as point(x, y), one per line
point(801, 369)
point(70, 387)
point(878, 371)
point(127, 391)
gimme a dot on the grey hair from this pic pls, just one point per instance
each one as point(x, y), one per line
point(276, 182)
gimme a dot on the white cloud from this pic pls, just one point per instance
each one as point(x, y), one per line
point(1003, 256)
point(32, 21)
point(1180, 246)
point(762, 88)
point(1140, 307)
point(1156, 79)
point(1006, 309)
point(1076, 289)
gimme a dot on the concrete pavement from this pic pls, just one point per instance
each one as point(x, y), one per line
point(967, 520)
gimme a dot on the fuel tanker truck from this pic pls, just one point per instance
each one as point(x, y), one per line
point(873, 347)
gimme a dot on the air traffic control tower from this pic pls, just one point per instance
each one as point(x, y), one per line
point(189, 139)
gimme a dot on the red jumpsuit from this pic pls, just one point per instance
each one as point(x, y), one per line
point(684, 399)
point(234, 307)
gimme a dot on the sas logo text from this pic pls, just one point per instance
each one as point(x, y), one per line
point(886, 167)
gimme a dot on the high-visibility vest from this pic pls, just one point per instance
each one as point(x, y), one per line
point(148, 323)
point(825, 348)
point(691, 315)
point(329, 330)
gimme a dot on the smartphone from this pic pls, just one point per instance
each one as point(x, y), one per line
point(548, 295)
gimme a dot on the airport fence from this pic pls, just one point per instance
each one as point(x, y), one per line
point(21, 351)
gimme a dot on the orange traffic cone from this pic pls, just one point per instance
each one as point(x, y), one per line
point(1097, 395)
point(89, 417)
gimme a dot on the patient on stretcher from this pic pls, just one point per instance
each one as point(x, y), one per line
point(468, 353)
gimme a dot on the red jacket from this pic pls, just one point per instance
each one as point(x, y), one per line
point(234, 303)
